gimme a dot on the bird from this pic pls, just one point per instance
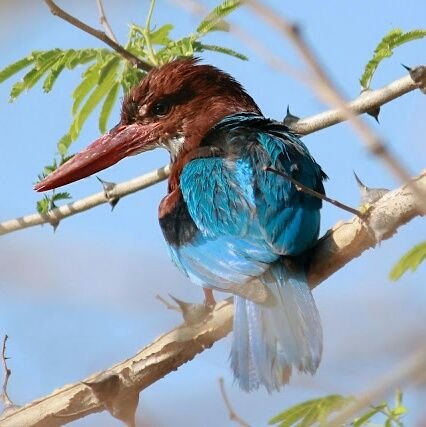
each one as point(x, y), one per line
point(230, 223)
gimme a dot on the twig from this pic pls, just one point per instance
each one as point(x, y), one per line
point(304, 126)
point(167, 304)
point(300, 187)
point(411, 370)
point(7, 372)
point(339, 246)
point(360, 105)
point(275, 62)
point(232, 414)
point(55, 215)
point(147, 35)
point(133, 59)
point(104, 21)
point(327, 91)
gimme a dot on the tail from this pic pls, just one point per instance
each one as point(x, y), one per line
point(272, 339)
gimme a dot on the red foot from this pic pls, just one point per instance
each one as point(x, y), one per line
point(209, 300)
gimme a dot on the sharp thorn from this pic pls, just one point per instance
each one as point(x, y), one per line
point(359, 182)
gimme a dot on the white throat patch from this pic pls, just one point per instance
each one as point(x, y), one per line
point(174, 146)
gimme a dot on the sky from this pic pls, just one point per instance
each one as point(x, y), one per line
point(83, 298)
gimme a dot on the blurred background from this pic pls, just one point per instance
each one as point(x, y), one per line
point(83, 298)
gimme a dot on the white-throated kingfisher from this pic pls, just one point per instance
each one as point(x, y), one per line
point(230, 225)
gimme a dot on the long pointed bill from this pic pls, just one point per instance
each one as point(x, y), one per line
point(120, 142)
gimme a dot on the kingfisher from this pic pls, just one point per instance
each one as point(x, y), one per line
point(230, 224)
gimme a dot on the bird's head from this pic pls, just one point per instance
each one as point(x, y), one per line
point(173, 107)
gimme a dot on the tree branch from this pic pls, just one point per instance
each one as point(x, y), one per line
point(305, 126)
point(133, 59)
point(4, 396)
point(410, 370)
point(104, 21)
point(344, 242)
point(327, 91)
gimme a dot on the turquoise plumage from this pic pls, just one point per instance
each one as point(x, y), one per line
point(251, 226)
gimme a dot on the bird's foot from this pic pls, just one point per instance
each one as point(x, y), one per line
point(209, 300)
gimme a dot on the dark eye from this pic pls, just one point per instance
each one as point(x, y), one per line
point(160, 108)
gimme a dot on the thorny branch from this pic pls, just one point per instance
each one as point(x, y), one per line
point(104, 21)
point(7, 372)
point(326, 90)
point(305, 126)
point(344, 242)
point(232, 414)
point(57, 11)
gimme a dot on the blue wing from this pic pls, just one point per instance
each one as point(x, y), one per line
point(247, 217)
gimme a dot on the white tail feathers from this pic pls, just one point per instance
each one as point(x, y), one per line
point(273, 339)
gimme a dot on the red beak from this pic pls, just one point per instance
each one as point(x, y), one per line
point(120, 142)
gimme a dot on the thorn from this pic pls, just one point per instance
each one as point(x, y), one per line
point(360, 183)
point(373, 112)
point(369, 195)
point(418, 74)
point(54, 224)
point(108, 187)
point(193, 313)
point(289, 120)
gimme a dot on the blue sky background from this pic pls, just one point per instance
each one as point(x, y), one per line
point(81, 299)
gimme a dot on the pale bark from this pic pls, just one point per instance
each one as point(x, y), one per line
point(344, 242)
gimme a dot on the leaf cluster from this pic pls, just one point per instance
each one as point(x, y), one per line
point(410, 261)
point(316, 412)
point(107, 75)
point(384, 49)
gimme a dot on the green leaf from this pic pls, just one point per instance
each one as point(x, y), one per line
point(64, 144)
point(410, 261)
point(161, 36)
point(43, 62)
point(111, 64)
point(358, 422)
point(81, 57)
point(90, 79)
point(61, 196)
point(214, 20)
point(93, 100)
point(14, 68)
point(57, 69)
point(310, 412)
point(384, 50)
point(107, 107)
point(43, 205)
point(199, 47)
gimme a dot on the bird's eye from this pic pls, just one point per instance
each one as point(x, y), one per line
point(161, 108)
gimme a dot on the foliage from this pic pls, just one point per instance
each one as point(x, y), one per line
point(410, 261)
point(313, 411)
point(317, 412)
point(107, 73)
point(384, 49)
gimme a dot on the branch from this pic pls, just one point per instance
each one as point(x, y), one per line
point(133, 59)
point(410, 370)
point(233, 416)
point(301, 187)
point(55, 215)
point(327, 91)
point(344, 242)
point(4, 396)
point(305, 126)
point(104, 21)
